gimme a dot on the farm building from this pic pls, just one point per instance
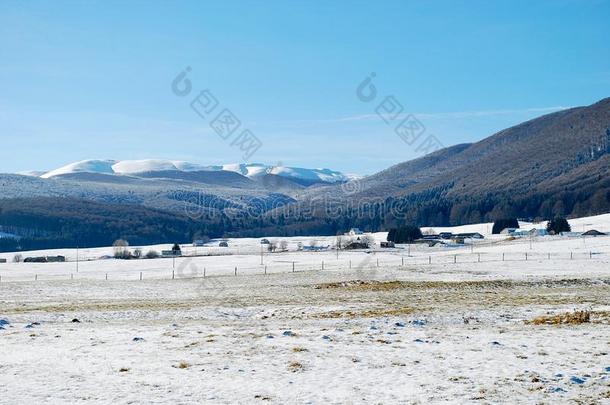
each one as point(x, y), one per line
point(508, 231)
point(171, 253)
point(315, 248)
point(593, 232)
point(355, 232)
point(469, 235)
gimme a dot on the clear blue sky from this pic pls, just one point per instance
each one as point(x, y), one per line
point(92, 79)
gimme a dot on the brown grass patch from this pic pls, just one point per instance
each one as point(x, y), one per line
point(183, 365)
point(362, 285)
point(370, 313)
point(567, 318)
point(295, 366)
point(299, 349)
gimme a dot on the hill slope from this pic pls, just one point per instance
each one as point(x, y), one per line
point(557, 164)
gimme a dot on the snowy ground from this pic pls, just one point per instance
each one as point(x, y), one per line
point(428, 331)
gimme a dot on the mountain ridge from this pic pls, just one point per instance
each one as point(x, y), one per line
point(556, 164)
point(136, 167)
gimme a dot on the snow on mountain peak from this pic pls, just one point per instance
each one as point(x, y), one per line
point(252, 170)
point(86, 166)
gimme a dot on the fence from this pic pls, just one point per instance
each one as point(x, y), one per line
point(184, 267)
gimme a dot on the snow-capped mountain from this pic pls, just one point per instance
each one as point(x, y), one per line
point(253, 170)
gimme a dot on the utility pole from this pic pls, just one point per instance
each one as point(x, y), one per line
point(338, 245)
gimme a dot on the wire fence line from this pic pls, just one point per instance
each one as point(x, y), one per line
point(187, 269)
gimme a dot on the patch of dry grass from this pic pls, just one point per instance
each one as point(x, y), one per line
point(567, 318)
point(370, 313)
point(183, 365)
point(299, 349)
point(362, 285)
point(295, 366)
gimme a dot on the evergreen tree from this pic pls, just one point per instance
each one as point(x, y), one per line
point(501, 224)
point(404, 234)
point(558, 225)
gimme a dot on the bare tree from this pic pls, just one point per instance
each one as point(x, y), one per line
point(367, 240)
point(271, 247)
point(137, 253)
point(17, 258)
point(120, 247)
point(283, 245)
point(341, 242)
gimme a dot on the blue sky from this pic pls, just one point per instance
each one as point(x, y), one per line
point(93, 79)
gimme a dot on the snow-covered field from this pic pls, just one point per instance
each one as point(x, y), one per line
point(425, 325)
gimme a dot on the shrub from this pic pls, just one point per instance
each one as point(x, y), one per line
point(123, 254)
point(502, 224)
point(152, 254)
point(558, 225)
point(17, 258)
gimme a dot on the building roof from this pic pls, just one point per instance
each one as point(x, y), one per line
point(593, 232)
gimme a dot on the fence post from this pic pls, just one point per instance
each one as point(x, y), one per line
point(322, 264)
point(429, 259)
point(106, 276)
point(173, 275)
point(402, 261)
point(350, 264)
point(502, 256)
point(140, 276)
point(235, 270)
point(479, 257)
point(454, 258)
point(35, 277)
point(293, 267)
point(590, 255)
point(377, 262)
point(526, 256)
point(549, 256)
point(71, 276)
point(571, 255)
point(265, 269)
point(204, 272)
